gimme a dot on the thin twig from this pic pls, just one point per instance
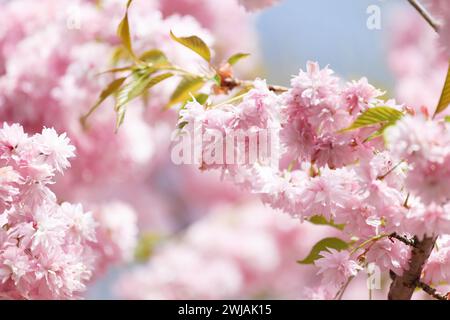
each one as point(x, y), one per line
point(341, 291)
point(425, 14)
point(390, 171)
point(431, 291)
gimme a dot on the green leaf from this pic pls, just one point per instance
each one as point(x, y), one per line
point(201, 98)
point(133, 89)
point(236, 57)
point(376, 115)
point(115, 70)
point(109, 90)
point(146, 246)
point(146, 84)
point(447, 118)
point(321, 220)
point(157, 79)
point(123, 31)
point(322, 245)
point(195, 44)
point(217, 80)
point(155, 57)
point(118, 54)
point(137, 86)
point(444, 100)
point(120, 116)
point(187, 86)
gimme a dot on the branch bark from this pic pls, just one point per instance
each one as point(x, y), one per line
point(232, 83)
point(402, 287)
point(425, 14)
point(432, 291)
point(407, 241)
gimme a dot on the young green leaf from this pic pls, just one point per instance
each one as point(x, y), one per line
point(133, 89)
point(118, 54)
point(137, 86)
point(201, 98)
point(130, 90)
point(217, 80)
point(157, 79)
point(115, 70)
point(120, 116)
point(187, 86)
point(155, 57)
point(321, 220)
point(236, 57)
point(112, 88)
point(444, 101)
point(195, 44)
point(376, 115)
point(322, 245)
point(123, 31)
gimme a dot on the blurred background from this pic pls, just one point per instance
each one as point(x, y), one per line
point(195, 236)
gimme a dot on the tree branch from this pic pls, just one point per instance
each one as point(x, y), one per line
point(409, 242)
point(232, 83)
point(402, 287)
point(431, 291)
point(425, 14)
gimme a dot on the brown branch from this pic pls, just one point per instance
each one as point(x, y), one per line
point(232, 83)
point(425, 14)
point(405, 240)
point(402, 287)
point(431, 291)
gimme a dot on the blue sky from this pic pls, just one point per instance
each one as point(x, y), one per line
point(330, 32)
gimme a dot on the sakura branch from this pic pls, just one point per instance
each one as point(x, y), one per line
point(431, 291)
point(425, 14)
point(405, 240)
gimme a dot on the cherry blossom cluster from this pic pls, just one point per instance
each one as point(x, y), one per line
point(51, 250)
point(44, 246)
point(349, 176)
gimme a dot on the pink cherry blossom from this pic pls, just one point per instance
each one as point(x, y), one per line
point(317, 108)
point(424, 145)
point(428, 220)
point(437, 269)
point(44, 246)
point(389, 255)
point(336, 267)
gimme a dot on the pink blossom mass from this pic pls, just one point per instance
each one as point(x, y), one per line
point(233, 149)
